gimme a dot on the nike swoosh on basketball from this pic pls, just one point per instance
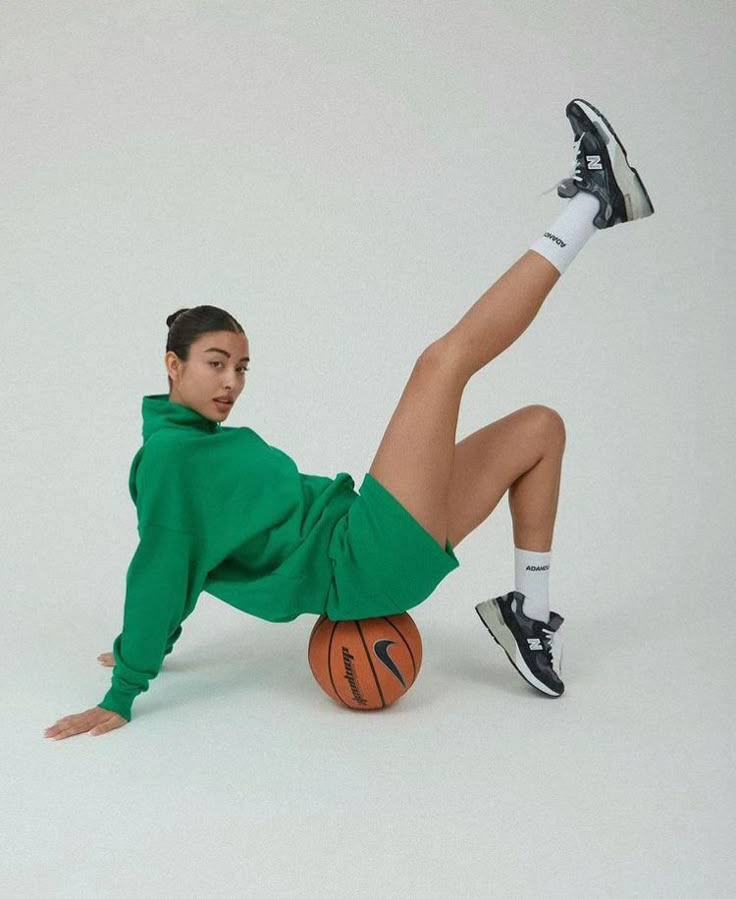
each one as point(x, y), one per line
point(380, 648)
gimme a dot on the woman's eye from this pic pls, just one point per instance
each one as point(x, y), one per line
point(242, 367)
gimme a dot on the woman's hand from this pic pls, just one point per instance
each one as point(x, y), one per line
point(96, 721)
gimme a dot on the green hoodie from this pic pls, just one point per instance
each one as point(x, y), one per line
point(219, 510)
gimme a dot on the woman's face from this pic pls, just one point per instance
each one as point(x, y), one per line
point(215, 369)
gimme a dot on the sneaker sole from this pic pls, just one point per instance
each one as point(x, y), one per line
point(636, 199)
point(505, 640)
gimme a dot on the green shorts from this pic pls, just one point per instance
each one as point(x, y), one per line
point(384, 562)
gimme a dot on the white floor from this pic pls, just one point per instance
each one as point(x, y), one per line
point(239, 777)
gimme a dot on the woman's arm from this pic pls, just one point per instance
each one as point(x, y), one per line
point(157, 586)
point(172, 639)
point(108, 659)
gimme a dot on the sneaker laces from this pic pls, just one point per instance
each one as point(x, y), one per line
point(552, 643)
point(551, 640)
point(569, 182)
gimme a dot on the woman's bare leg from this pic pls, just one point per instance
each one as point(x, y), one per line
point(533, 503)
point(521, 454)
point(502, 313)
point(414, 461)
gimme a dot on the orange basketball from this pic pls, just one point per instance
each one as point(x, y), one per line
point(365, 664)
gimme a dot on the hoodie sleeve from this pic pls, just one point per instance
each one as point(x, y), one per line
point(172, 639)
point(157, 585)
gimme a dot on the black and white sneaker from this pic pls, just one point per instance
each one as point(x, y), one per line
point(602, 169)
point(533, 647)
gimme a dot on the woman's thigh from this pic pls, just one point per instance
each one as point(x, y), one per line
point(415, 458)
point(489, 461)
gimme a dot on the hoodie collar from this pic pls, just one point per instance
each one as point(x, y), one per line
point(159, 412)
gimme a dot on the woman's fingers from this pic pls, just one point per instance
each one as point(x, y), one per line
point(55, 728)
point(95, 721)
point(65, 727)
point(107, 659)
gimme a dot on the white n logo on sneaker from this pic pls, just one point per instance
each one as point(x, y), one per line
point(594, 162)
point(534, 643)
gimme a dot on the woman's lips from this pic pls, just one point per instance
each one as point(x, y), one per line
point(221, 405)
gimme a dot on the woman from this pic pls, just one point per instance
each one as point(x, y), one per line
point(221, 510)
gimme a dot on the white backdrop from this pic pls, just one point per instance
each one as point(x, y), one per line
point(346, 178)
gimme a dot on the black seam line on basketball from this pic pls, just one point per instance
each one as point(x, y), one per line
point(411, 654)
point(370, 662)
point(329, 665)
point(317, 626)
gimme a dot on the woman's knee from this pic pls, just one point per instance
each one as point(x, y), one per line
point(549, 421)
point(446, 356)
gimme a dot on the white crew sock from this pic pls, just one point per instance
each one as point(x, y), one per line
point(564, 240)
point(532, 579)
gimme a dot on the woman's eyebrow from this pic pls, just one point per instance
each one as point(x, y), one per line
point(214, 349)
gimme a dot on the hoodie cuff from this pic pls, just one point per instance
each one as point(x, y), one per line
point(113, 702)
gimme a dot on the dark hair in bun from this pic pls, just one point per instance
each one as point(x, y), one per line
point(187, 325)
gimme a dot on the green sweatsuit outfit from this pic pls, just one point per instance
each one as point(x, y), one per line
point(221, 510)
